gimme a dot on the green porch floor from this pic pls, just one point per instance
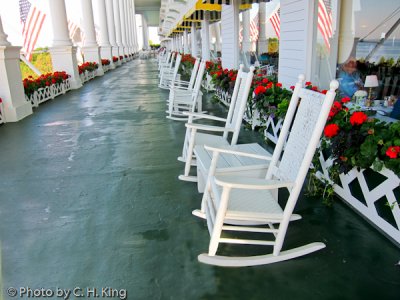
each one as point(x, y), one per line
point(89, 198)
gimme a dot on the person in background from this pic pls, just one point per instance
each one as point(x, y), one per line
point(395, 114)
point(349, 78)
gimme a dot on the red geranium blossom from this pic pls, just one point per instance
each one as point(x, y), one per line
point(260, 89)
point(357, 118)
point(278, 84)
point(292, 87)
point(331, 130)
point(393, 151)
point(346, 99)
point(265, 80)
point(308, 83)
point(324, 92)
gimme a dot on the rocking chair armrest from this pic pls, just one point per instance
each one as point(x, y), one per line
point(203, 116)
point(183, 82)
point(250, 183)
point(232, 150)
point(208, 127)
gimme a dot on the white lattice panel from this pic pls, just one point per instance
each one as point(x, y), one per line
point(385, 191)
point(57, 89)
point(66, 85)
point(223, 96)
point(207, 84)
point(42, 95)
point(273, 128)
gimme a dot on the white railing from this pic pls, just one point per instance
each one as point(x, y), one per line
point(223, 96)
point(376, 201)
point(86, 76)
point(49, 92)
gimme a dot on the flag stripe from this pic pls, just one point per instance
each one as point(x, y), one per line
point(325, 22)
point(32, 20)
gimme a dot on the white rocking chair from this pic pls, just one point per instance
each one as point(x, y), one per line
point(232, 124)
point(231, 203)
point(169, 75)
point(164, 61)
point(181, 101)
point(182, 86)
point(252, 166)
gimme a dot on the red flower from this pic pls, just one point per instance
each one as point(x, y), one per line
point(260, 89)
point(265, 80)
point(324, 92)
point(308, 83)
point(278, 84)
point(393, 151)
point(331, 130)
point(1, 100)
point(233, 78)
point(260, 75)
point(346, 99)
point(357, 118)
point(270, 85)
point(292, 87)
point(314, 88)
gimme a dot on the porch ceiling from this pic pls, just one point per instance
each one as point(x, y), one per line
point(150, 9)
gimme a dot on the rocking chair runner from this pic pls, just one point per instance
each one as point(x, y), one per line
point(232, 124)
point(254, 201)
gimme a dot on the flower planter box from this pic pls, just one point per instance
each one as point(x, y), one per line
point(86, 76)
point(49, 92)
point(372, 194)
point(106, 68)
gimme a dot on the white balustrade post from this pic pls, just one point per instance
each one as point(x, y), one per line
point(104, 39)
point(11, 89)
point(262, 37)
point(205, 36)
point(112, 30)
point(118, 34)
point(63, 53)
point(123, 25)
point(128, 27)
point(90, 48)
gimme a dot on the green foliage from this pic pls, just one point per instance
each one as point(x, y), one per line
point(42, 61)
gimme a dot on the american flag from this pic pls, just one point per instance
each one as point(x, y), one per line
point(275, 20)
point(325, 21)
point(72, 29)
point(32, 21)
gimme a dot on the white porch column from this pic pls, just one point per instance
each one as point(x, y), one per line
point(128, 26)
point(246, 44)
point(105, 46)
point(193, 36)
point(230, 35)
point(262, 37)
point(118, 35)
point(145, 33)
point(217, 27)
point(11, 88)
point(131, 29)
point(112, 29)
point(185, 42)
point(205, 36)
point(90, 48)
point(123, 25)
point(135, 34)
point(63, 53)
